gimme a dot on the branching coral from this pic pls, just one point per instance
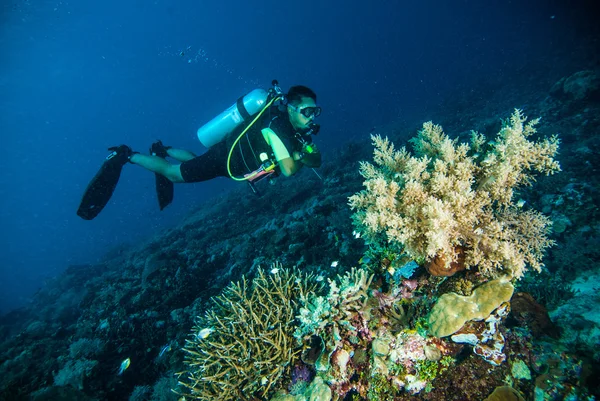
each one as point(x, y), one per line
point(244, 345)
point(451, 197)
point(342, 303)
point(341, 322)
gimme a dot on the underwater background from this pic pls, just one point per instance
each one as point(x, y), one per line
point(102, 309)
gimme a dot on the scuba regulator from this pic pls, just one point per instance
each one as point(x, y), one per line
point(304, 138)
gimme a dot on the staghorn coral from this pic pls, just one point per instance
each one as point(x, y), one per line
point(451, 196)
point(244, 346)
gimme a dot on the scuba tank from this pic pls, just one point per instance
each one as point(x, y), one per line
point(225, 123)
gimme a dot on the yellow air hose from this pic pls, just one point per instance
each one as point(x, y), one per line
point(240, 137)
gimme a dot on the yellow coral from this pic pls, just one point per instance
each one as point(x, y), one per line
point(452, 311)
point(451, 195)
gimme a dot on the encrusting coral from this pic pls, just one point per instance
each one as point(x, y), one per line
point(456, 196)
point(244, 346)
point(505, 393)
point(452, 311)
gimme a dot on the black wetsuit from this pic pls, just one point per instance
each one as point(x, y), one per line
point(245, 157)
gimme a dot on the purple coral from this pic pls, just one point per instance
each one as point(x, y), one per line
point(408, 286)
point(301, 374)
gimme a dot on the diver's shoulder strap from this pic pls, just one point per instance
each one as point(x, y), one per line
point(273, 140)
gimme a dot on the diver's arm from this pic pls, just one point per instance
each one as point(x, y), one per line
point(288, 166)
point(312, 159)
point(286, 163)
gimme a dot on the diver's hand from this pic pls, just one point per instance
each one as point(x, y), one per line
point(313, 148)
point(297, 155)
point(310, 158)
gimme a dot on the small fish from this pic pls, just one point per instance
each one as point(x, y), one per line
point(204, 333)
point(364, 260)
point(319, 278)
point(356, 234)
point(334, 263)
point(124, 365)
point(166, 348)
point(521, 203)
point(274, 270)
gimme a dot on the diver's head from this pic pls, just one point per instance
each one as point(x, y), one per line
point(302, 107)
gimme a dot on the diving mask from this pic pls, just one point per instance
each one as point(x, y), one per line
point(308, 112)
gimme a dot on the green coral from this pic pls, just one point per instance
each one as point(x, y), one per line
point(422, 326)
point(381, 389)
point(429, 370)
point(520, 370)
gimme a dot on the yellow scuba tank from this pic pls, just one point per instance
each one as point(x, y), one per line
point(225, 123)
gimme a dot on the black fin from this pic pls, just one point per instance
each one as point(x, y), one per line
point(100, 188)
point(164, 191)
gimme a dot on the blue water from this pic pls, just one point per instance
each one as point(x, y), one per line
point(79, 76)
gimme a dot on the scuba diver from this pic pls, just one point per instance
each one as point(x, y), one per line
point(262, 135)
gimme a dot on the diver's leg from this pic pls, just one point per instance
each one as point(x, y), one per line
point(180, 155)
point(209, 165)
point(158, 165)
point(159, 149)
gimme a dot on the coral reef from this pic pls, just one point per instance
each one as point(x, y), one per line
point(368, 337)
point(530, 313)
point(363, 333)
point(452, 311)
point(243, 346)
point(452, 195)
point(342, 301)
point(486, 337)
point(505, 393)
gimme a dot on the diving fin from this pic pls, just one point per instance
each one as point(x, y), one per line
point(164, 191)
point(102, 186)
point(164, 186)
